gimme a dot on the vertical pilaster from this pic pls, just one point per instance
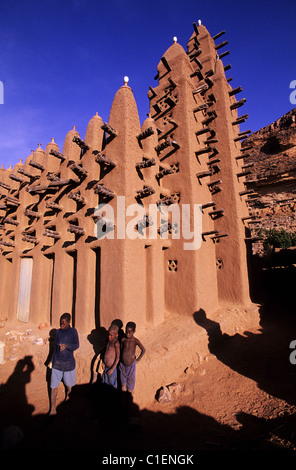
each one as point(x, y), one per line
point(62, 288)
point(41, 286)
point(155, 284)
point(85, 290)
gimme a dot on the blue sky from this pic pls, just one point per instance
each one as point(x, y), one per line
point(61, 61)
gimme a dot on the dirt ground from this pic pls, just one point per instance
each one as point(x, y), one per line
point(240, 396)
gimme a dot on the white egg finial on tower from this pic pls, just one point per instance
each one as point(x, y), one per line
point(199, 22)
point(126, 79)
point(175, 39)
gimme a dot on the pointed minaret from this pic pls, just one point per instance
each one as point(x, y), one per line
point(94, 133)
point(122, 259)
point(52, 163)
point(71, 151)
point(190, 279)
point(219, 123)
point(86, 257)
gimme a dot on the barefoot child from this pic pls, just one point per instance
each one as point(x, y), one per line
point(111, 357)
point(127, 365)
point(63, 361)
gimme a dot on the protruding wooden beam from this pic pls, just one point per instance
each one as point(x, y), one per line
point(224, 54)
point(222, 44)
point(193, 54)
point(204, 150)
point(109, 224)
point(218, 236)
point(145, 164)
point(100, 158)
point(167, 200)
point(248, 165)
point(203, 131)
point(235, 91)
point(240, 120)
point(109, 129)
point(201, 107)
point(64, 182)
point(27, 174)
point(164, 172)
point(80, 143)
point(146, 191)
point(101, 189)
point(214, 186)
point(76, 197)
point(243, 173)
point(146, 133)
point(30, 213)
point(9, 220)
point(217, 36)
point(195, 29)
point(78, 169)
point(248, 191)
point(238, 104)
point(253, 239)
point(51, 233)
point(153, 94)
point(242, 136)
point(16, 178)
point(243, 156)
point(11, 201)
point(201, 89)
point(4, 243)
point(249, 217)
point(208, 204)
point(166, 143)
point(5, 186)
point(36, 165)
point(210, 232)
point(30, 239)
point(57, 154)
point(166, 64)
point(53, 205)
point(246, 149)
point(76, 229)
point(203, 174)
point(216, 212)
point(210, 118)
point(144, 223)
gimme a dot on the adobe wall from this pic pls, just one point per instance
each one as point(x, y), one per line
point(187, 152)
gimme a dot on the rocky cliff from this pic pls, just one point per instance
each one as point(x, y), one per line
point(271, 166)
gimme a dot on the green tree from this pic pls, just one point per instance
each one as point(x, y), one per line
point(278, 239)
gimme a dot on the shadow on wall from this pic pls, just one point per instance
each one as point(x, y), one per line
point(98, 339)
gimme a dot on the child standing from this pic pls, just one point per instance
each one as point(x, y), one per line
point(111, 357)
point(63, 361)
point(127, 365)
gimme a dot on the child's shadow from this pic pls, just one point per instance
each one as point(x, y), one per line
point(98, 339)
point(213, 330)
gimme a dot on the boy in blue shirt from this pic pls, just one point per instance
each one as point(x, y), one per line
point(63, 361)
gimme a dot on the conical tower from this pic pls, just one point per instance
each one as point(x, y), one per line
point(195, 111)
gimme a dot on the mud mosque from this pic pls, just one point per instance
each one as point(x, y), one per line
point(187, 151)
